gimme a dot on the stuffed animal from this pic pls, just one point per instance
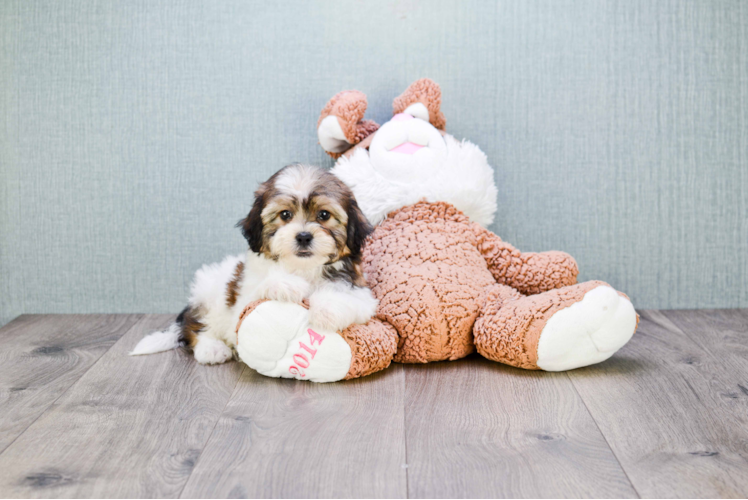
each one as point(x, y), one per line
point(446, 285)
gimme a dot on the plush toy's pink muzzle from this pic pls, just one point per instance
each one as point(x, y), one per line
point(401, 117)
point(407, 148)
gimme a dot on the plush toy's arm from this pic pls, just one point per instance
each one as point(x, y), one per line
point(528, 272)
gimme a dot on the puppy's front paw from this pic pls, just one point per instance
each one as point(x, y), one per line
point(335, 310)
point(328, 317)
point(285, 289)
point(210, 351)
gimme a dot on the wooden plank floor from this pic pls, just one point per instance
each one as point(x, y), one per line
point(666, 417)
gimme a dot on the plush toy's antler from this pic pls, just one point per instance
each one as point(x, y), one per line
point(427, 93)
point(341, 124)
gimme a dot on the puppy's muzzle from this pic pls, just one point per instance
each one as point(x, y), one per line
point(304, 239)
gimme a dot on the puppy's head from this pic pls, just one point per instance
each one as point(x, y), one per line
point(305, 217)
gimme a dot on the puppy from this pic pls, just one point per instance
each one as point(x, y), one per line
point(305, 232)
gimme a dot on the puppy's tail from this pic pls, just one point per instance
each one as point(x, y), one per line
point(165, 340)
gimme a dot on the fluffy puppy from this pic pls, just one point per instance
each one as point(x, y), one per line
point(305, 232)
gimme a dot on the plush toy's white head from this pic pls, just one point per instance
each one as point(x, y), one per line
point(408, 159)
point(407, 149)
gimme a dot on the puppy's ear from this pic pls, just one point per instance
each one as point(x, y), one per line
point(252, 224)
point(358, 229)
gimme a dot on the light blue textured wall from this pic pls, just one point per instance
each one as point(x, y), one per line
point(133, 133)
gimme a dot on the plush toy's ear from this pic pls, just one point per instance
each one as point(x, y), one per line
point(252, 224)
point(358, 229)
point(341, 125)
point(423, 99)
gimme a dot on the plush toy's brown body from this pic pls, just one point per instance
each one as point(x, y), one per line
point(447, 286)
point(436, 274)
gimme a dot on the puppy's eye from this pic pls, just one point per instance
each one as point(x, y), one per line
point(323, 215)
point(286, 215)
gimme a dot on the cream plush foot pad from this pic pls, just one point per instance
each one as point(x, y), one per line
point(587, 332)
point(276, 340)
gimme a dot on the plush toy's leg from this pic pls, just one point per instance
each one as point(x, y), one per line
point(276, 339)
point(372, 347)
point(433, 323)
point(558, 330)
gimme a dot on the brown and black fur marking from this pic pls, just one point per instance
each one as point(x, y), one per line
point(349, 272)
point(350, 246)
point(358, 230)
point(232, 289)
point(189, 327)
point(252, 225)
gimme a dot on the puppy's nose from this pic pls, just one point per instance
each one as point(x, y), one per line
point(304, 239)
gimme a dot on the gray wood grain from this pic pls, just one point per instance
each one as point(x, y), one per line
point(130, 427)
point(723, 333)
point(666, 417)
point(284, 438)
point(476, 428)
point(42, 356)
point(672, 411)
